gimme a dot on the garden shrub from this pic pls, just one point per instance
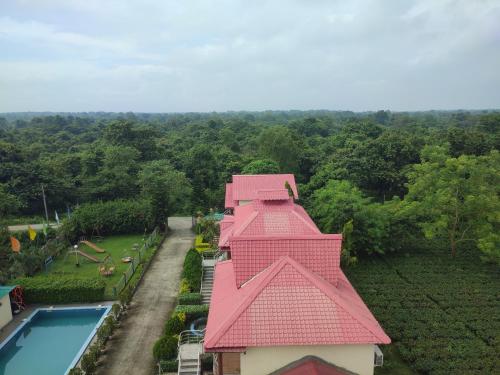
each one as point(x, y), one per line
point(192, 311)
point(192, 269)
point(165, 348)
point(61, 289)
point(75, 371)
point(175, 325)
point(190, 299)
point(113, 217)
point(169, 365)
point(88, 364)
point(184, 287)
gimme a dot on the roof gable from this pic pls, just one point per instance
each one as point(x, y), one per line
point(311, 365)
point(288, 305)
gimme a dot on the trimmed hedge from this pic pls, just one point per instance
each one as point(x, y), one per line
point(113, 217)
point(190, 299)
point(170, 365)
point(61, 289)
point(192, 269)
point(174, 325)
point(192, 311)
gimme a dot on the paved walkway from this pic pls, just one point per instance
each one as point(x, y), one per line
point(24, 227)
point(131, 349)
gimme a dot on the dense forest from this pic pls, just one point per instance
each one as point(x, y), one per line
point(387, 181)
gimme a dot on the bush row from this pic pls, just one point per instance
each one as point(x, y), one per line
point(190, 299)
point(192, 270)
point(437, 310)
point(192, 311)
point(113, 217)
point(61, 289)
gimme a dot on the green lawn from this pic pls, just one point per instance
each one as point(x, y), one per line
point(116, 246)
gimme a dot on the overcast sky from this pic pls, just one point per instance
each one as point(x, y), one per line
point(182, 55)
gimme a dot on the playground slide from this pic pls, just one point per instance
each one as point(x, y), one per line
point(93, 246)
point(90, 257)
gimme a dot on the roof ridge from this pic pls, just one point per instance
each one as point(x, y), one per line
point(247, 222)
point(305, 221)
point(271, 271)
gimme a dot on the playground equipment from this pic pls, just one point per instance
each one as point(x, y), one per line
point(17, 299)
point(81, 253)
point(108, 267)
point(92, 245)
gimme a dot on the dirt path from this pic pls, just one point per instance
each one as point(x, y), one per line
point(130, 350)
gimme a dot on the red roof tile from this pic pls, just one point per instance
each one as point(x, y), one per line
point(320, 253)
point(273, 195)
point(245, 187)
point(263, 218)
point(229, 202)
point(311, 365)
point(286, 304)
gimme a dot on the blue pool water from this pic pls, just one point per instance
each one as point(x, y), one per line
point(50, 342)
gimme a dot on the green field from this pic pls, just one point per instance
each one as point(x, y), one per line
point(117, 247)
point(441, 313)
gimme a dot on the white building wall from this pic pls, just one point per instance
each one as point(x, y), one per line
point(263, 360)
point(5, 311)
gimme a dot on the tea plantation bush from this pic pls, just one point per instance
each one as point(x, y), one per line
point(61, 289)
point(441, 313)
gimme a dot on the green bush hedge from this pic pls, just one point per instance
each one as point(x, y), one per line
point(169, 365)
point(192, 269)
point(174, 325)
point(190, 299)
point(113, 217)
point(61, 289)
point(165, 348)
point(192, 311)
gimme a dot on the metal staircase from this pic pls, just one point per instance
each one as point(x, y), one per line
point(190, 346)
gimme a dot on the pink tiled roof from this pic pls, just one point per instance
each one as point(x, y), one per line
point(273, 194)
point(311, 365)
point(270, 217)
point(229, 202)
point(245, 187)
point(320, 253)
point(286, 304)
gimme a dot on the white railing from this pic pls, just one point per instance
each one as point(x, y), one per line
point(191, 337)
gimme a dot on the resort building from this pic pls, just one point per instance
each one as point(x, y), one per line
point(280, 302)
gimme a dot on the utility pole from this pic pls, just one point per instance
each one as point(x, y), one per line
point(45, 205)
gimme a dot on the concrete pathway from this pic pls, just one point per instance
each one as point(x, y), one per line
point(131, 349)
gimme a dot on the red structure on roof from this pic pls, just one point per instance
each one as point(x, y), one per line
point(286, 304)
point(311, 365)
point(246, 187)
point(267, 218)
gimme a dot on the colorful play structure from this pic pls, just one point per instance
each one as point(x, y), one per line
point(108, 266)
point(92, 245)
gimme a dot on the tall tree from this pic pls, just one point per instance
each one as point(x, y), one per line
point(279, 144)
point(457, 199)
point(167, 189)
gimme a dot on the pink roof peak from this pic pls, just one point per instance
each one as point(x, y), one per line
point(246, 187)
point(286, 304)
point(273, 195)
point(268, 218)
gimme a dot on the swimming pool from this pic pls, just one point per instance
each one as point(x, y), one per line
point(50, 341)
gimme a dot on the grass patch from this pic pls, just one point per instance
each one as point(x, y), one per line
point(117, 247)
